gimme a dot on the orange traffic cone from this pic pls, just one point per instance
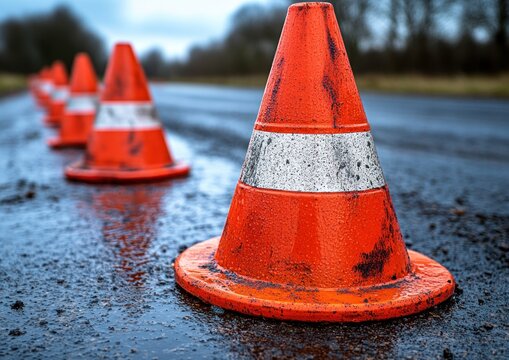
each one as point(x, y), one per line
point(44, 88)
point(79, 111)
point(127, 141)
point(58, 95)
point(311, 234)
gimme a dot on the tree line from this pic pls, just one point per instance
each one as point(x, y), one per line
point(431, 37)
point(27, 44)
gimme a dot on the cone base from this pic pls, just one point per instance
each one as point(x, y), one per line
point(197, 272)
point(79, 172)
point(59, 143)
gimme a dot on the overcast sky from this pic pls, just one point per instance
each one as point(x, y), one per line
point(171, 25)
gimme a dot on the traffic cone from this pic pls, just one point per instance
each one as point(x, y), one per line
point(127, 141)
point(80, 109)
point(58, 95)
point(44, 88)
point(311, 234)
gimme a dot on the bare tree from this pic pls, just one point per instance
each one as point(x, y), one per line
point(154, 64)
point(30, 43)
point(500, 33)
point(417, 38)
point(393, 16)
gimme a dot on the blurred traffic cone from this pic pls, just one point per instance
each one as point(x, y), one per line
point(58, 95)
point(44, 88)
point(311, 234)
point(127, 141)
point(80, 109)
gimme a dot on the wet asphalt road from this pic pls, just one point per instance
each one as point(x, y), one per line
point(86, 271)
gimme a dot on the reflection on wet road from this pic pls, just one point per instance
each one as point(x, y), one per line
point(92, 265)
point(129, 216)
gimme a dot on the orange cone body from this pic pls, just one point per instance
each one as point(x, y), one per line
point(79, 112)
point(58, 95)
point(311, 234)
point(127, 142)
point(44, 88)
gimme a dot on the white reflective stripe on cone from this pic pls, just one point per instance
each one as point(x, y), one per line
point(81, 103)
point(59, 93)
point(46, 86)
point(312, 162)
point(123, 115)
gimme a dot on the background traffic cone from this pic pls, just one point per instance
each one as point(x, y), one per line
point(80, 109)
point(58, 95)
point(44, 88)
point(311, 233)
point(127, 142)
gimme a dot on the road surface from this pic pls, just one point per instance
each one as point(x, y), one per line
point(86, 271)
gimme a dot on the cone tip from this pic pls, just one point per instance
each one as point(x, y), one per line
point(57, 63)
point(81, 59)
point(121, 49)
point(59, 73)
point(311, 5)
point(124, 79)
point(83, 77)
point(81, 55)
point(123, 44)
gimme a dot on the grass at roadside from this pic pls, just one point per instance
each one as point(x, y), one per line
point(247, 81)
point(10, 83)
point(479, 86)
point(493, 86)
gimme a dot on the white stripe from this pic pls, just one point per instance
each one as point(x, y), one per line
point(59, 93)
point(81, 104)
point(46, 86)
point(312, 162)
point(121, 115)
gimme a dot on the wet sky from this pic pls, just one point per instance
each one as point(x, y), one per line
point(172, 25)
